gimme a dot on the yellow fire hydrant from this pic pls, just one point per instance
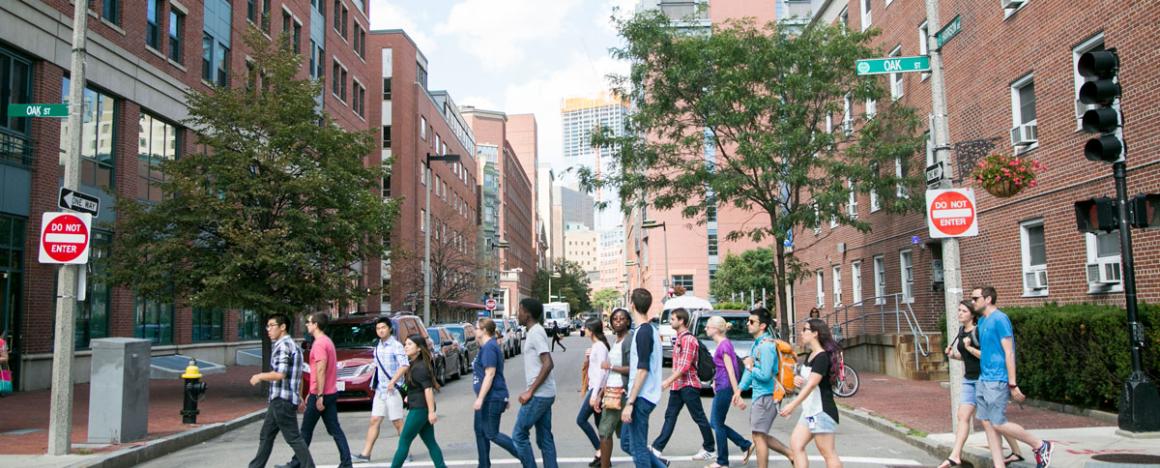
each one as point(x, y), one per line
point(194, 392)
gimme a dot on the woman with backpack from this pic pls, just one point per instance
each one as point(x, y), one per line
point(594, 376)
point(965, 347)
point(421, 388)
point(725, 390)
point(819, 418)
point(611, 401)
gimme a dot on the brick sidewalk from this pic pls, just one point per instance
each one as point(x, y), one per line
point(925, 406)
point(229, 396)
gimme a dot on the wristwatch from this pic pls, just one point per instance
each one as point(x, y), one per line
point(1012, 386)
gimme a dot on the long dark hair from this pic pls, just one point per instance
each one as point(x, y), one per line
point(829, 344)
point(970, 305)
point(425, 358)
point(595, 326)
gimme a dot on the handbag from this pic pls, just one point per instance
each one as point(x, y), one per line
point(5, 380)
point(613, 398)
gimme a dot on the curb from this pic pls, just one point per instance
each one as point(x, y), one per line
point(902, 432)
point(165, 446)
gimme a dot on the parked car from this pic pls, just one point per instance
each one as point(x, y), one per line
point(354, 341)
point(509, 338)
point(464, 334)
point(448, 354)
point(738, 331)
point(518, 333)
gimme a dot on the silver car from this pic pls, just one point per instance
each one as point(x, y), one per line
point(738, 331)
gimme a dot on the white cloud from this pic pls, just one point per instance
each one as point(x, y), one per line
point(498, 32)
point(385, 15)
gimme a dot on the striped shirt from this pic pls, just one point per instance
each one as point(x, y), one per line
point(286, 359)
point(389, 358)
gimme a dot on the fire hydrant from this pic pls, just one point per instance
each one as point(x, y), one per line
point(194, 392)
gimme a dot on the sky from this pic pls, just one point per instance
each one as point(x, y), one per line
point(515, 56)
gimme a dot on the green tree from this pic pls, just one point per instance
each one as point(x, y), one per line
point(744, 273)
point(605, 299)
point(736, 116)
point(570, 282)
point(273, 213)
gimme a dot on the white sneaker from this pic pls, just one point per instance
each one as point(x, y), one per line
point(656, 452)
point(704, 455)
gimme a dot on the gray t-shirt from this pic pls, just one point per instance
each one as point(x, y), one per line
point(536, 344)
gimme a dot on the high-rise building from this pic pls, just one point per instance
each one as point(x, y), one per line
point(611, 261)
point(570, 208)
point(581, 117)
point(582, 246)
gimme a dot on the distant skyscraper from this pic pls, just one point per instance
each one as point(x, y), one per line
point(581, 116)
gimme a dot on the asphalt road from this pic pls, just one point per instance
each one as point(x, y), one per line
point(858, 445)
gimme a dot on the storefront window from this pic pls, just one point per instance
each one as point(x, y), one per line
point(153, 321)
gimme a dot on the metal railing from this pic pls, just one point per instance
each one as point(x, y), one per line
point(873, 316)
point(15, 148)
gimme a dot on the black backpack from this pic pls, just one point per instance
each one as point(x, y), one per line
point(705, 367)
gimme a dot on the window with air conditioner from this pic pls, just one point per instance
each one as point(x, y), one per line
point(1103, 262)
point(1025, 132)
point(820, 281)
point(856, 281)
point(1010, 6)
point(1034, 250)
point(880, 279)
point(837, 278)
point(906, 273)
point(896, 90)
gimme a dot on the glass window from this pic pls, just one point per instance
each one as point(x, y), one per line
point(96, 145)
point(836, 277)
point(820, 284)
point(15, 88)
point(713, 244)
point(387, 88)
point(252, 10)
point(207, 324)
point(157, 142)
point(856, 281)
point(906, 270)
point(250, 325)
point(92, 319)
point(153, 23)
point(111, 11)
point(866, 18)
point(880, 279)
point(153, 320)
point(176, 32)
point(207, 45)
point(896, 90)
point(223, 65)
point(683, 280)
point(266, 16)
point(386, 136)
point(297, 45)
point(12, 231)
point(337, 17)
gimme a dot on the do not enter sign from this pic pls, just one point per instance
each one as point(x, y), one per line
point(951, 213)
point(64, 238)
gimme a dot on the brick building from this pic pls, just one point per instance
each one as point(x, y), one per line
point(1011, 86)
point(141, 62)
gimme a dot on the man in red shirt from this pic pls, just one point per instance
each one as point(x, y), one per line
point(685, 390)
point(323, 387)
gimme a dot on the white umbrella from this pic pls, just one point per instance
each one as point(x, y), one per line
point(688, 303)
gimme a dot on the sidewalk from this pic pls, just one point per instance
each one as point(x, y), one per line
point(923, 410)
point(24, 421)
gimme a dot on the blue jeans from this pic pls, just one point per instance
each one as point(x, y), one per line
point(725, 434)
point(634, 436)
point(685, 397)
point(586, 412)
point(487, 431)
point(329, 416)
point(537, 412)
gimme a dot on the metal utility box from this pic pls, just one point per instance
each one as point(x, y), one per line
point(119, 390)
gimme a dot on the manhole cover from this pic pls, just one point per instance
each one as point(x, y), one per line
point(20, 432)
point(1134, 458)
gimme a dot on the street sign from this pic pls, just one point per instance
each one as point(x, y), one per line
point(919, 63)
point(934, 174)
point(78, 201)
point(64, 238)
point(38, 110)
point(951, 213)
point(490, 304)
point(949, 31)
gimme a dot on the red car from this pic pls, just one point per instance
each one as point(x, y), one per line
point(354, 342)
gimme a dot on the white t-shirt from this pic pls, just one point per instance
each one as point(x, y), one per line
point(813, 403)
point(596, 360)
point(616, 359)
point(537, 344)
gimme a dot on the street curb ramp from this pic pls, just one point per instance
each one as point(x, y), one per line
point(940, 451)
point(167, 445)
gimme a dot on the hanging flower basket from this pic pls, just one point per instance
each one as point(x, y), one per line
point(1004, 176)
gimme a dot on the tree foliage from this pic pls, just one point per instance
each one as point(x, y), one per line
point(571, 283)
point(737, 116)
point(272, 213)
point(743, 273)
point(607, 298)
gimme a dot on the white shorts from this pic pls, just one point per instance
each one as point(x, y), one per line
point(388, 405)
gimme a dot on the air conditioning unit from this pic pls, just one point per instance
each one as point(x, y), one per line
point(1035, 280)
point(1011, 4)
point(1025, 135)
point(1104, 273)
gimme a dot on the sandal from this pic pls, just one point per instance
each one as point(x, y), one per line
point(715, 465)
point(1007, 460)
point(948, 463)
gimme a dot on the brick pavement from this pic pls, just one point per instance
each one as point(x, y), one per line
point(925, 406)
point(229, 396)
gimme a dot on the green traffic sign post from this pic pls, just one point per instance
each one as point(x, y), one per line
point(919, 63)
point(38, 110)
point(949, 31)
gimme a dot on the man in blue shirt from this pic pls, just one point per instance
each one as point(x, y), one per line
point(391, 366)
point(997, 380)
point(644, 383)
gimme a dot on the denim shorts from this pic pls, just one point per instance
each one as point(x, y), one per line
point(969, 391)
point(991, 402)
point(820, 423)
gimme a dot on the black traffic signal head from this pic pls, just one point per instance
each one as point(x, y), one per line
point(1097, 215)
point(1105, 148)
point(1145, 210)
point(1102, 91)
point(1099, 64)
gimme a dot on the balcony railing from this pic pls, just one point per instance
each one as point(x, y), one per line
point(15, 148)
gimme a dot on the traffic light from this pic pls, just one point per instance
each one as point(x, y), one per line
point(1145, 210)
point(1096, 215)
point(1103, 65)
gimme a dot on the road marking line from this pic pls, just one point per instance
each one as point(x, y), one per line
point(875, 461)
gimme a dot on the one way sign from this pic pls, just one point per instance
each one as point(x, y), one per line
point(79, 202)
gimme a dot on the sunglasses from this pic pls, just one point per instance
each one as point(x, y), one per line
point(976, 298)
point(754, 321)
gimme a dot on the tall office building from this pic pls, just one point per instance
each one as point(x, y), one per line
point(581, 116)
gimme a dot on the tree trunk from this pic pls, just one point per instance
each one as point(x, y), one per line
point(780, 287)
point(267, 349)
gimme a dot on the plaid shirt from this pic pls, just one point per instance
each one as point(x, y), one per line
point(286, 359)
point(685, 360)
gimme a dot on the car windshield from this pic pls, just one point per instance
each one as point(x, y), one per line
point(458, 333)
point(352, 335)
point(499, 326)
point(434, 334)
point(665, 317)
point(737, 328)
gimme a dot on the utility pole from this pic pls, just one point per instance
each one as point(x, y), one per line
point(60, 417)
point(940, 136)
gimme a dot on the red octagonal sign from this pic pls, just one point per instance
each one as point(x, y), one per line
point(951, 213)
point(64, 238)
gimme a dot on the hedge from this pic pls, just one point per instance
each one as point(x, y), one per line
point(1078, 354)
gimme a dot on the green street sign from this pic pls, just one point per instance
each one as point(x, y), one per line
point(38, 110)
point(949, 31)
point(920, 63)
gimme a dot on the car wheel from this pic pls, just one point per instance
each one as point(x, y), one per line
point(455, 373)
point(440, 374)
point(463, 370)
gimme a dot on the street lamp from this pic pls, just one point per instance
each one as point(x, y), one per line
point(447, 158)
point(550, 276)
point(651, 224)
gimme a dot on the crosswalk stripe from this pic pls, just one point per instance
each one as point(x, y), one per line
point(875, 461)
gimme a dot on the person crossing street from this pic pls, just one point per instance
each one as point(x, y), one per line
point(391, 366)
point(285, 377)
point(761, 376)
point(323, 399)
point(685, 390)
point(537, 400)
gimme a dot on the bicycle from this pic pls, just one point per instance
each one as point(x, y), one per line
point(848, 381)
